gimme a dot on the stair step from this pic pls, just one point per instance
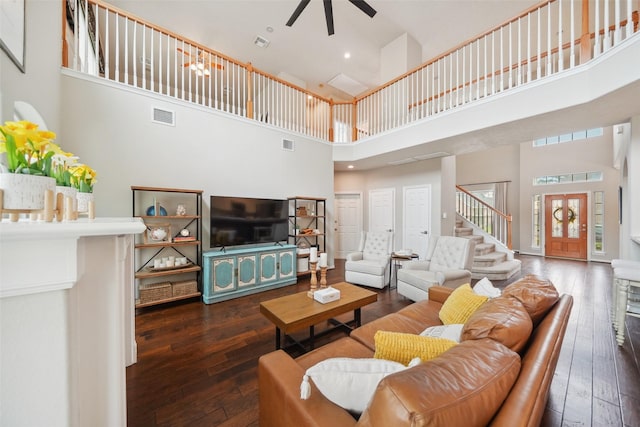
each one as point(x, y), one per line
point(502, 271)
point(484, 248)
point(463, 231)
point(489, 259)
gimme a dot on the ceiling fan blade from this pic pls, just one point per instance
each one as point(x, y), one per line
point(364, 6)
point(216, 65)
point(297, 12)
point(328, 14)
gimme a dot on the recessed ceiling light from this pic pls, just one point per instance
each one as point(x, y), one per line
point(350, 167)
point(347, 55)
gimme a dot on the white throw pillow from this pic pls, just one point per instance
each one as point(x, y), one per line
point(485, 287)
point(347, 382)
point(451, 332)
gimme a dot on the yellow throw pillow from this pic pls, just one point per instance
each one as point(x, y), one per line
point(460, 305)
point(402, 348)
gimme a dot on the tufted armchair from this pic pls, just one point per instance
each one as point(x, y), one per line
point(370, 265)
point(448, 263)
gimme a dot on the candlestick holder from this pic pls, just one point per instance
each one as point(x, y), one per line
point(323, 277)
point(314, 280)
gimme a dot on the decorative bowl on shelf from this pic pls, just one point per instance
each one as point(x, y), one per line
point(158, 234)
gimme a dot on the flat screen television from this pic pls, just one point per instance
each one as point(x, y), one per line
point(244, 220)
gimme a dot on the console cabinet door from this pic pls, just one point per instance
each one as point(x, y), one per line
point(223, 277)
point(286, 265)
point(247, 271)
point(268, 267)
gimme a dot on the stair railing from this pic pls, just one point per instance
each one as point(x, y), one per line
point(484, 216)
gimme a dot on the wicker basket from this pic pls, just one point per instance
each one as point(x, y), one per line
point(150, 292)
point(185, 287)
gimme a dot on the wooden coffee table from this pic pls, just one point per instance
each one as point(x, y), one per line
point(294, 312)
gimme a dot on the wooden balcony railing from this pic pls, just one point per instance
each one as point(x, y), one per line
point(557, 35)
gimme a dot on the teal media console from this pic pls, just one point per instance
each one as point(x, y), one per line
point(233, 273)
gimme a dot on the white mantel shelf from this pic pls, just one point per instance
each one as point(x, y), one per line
point(67, 322)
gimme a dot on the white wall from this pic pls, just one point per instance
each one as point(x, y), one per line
point(40, 85)
point(110, 128)
point(630, 178)
point(396, 177)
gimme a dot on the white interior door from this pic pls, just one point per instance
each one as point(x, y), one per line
point(381, 209)
point(417, 219)
point(348, 223)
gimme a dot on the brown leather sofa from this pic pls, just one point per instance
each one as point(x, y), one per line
point(499, 375)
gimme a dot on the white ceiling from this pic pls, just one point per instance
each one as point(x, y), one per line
point(305, 51)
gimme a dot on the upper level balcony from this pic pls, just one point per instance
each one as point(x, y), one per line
point(553, 62)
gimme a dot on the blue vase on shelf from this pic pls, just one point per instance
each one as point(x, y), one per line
point(151, 211)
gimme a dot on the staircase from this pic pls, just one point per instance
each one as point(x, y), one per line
point(488, 262)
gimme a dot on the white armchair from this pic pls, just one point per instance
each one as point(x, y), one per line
point(370, 265)
point(448, 263)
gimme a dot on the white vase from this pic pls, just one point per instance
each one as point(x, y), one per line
point(83, 201)
point(70, 192)
point(25, 192)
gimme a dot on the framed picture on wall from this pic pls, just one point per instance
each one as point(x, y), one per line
point(12, 30)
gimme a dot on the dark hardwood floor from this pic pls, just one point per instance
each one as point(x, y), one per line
point(197, 363)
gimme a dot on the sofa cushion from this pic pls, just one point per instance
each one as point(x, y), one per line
point(460, 305)
point(503, 319)
point(342, 347)
point(395, 322)
point(451, 332)
point(537, 295)
point(486, 288)
point(465, 386)
point(348, 382)
point(367, 266)
point(403, 348)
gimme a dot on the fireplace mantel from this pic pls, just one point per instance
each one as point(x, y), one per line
point(66, 321)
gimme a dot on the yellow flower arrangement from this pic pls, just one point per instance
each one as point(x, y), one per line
point(32, 151)
point(82, 177)
point(28, 149)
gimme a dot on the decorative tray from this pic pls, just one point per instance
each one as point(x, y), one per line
point(189, 264)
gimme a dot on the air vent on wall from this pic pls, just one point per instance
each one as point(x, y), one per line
point(165, 117)
point(287, 145)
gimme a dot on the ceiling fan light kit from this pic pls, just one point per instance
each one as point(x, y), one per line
point(328, 12)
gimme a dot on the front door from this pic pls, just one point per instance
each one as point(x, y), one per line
point(566, 222)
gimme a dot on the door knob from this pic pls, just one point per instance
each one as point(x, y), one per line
point(424, 232)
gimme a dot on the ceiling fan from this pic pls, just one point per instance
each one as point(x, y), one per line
point(201, 62)
point(328, 12)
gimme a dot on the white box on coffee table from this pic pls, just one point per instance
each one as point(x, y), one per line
point(326, 295)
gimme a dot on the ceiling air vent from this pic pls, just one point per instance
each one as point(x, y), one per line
point(165, 117)
point(287, 145)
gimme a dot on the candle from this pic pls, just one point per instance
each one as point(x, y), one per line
point(313, 255)
point(323, 259)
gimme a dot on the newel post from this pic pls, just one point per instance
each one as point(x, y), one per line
point(354, 120)
point(585, 38)
point(331, 106)
point(249, 91)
